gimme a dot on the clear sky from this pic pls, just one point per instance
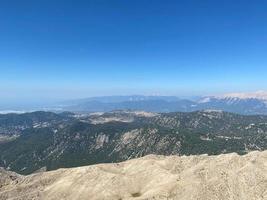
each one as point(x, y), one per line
point(52, 49)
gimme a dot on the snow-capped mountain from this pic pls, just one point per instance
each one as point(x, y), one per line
point(243, 103)
point(235, 97)
point(261, 95)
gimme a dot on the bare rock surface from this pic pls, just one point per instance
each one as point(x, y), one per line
point(223, 177)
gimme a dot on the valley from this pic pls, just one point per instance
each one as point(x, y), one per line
point(45, 140)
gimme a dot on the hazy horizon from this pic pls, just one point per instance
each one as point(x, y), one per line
point(24, 104)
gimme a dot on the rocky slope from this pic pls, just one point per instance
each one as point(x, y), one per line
point(222, 177)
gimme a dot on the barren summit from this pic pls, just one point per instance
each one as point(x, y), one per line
point(222, 177)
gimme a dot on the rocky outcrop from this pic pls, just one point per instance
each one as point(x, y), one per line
point(222, 177)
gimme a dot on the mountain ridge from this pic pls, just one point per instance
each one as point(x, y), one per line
point(248, 104)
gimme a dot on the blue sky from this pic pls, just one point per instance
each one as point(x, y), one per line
point(52, 49)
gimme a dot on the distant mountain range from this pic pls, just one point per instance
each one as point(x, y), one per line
point(242, 103)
